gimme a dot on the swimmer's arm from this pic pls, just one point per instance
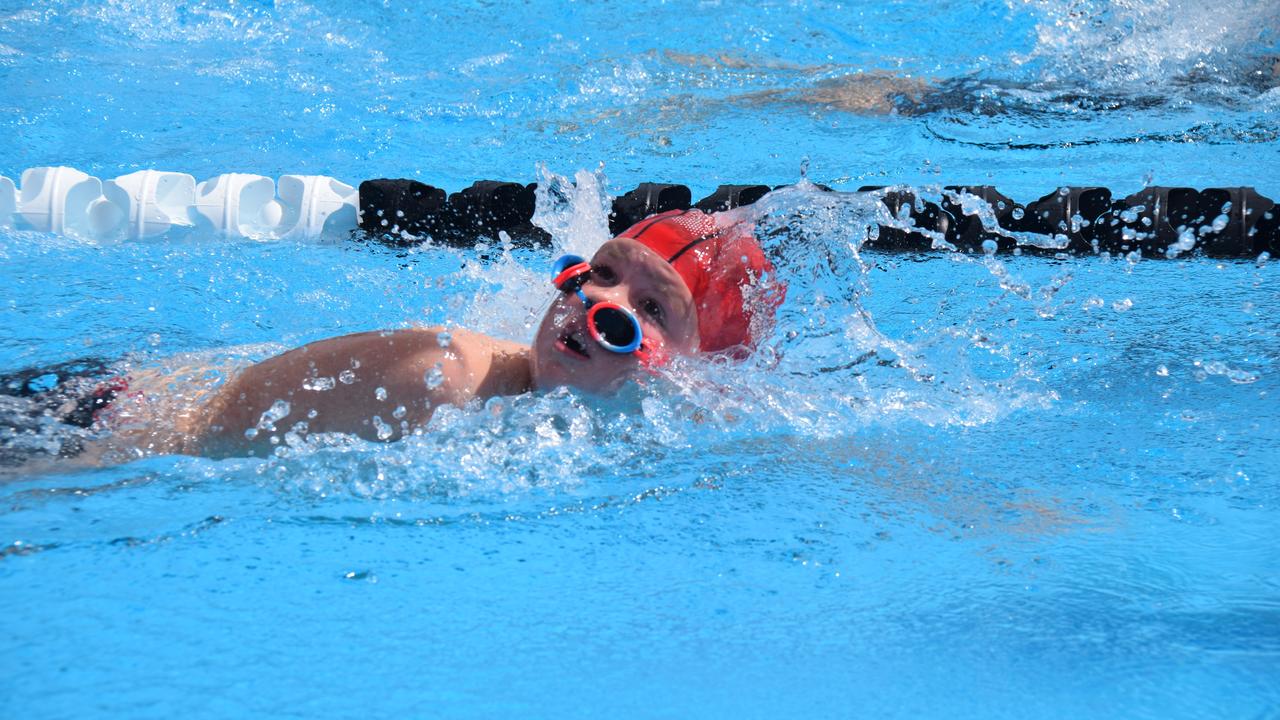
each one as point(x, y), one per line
point(354, 384)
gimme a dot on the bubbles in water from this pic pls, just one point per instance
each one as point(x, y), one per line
point(399, 412)
point(382, 429)
point(444, 338)
point(1018, 213)
point(346, 377)
point(1122, 305)
point(1162, 371)
point(380, 393)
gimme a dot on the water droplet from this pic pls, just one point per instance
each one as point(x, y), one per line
point(989, 247)
point(311, 414)
point(434, 377)
point(399, 412)
point(384, 430)
point(278, 411)
point(1263, 258)
point(346, 377)
point(381, 394)
point(1018, 213)
point(318, 384)
point(251, 433)
point(444, 338)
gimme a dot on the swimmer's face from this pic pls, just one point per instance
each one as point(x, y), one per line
point(627, 273)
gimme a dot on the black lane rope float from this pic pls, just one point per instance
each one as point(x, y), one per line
point(1230, 222)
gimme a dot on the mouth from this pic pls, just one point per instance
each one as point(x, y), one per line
point(572, 345)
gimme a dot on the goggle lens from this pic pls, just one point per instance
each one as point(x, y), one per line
point(569, 273)
point(614, 327)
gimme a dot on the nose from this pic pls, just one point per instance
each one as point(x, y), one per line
point(618, 294)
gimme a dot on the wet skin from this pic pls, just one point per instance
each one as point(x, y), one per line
point(627, 273)
point(343, 383)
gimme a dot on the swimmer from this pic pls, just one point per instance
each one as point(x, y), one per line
point(676, 283)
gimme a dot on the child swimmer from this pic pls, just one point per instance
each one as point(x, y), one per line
point(677, 283)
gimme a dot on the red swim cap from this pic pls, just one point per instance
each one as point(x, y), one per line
point(717, 262)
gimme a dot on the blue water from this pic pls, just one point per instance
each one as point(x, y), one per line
point(944, 486)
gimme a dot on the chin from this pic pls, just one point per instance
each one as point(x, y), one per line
point(548, 374)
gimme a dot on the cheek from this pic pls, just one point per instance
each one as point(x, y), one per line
point(678, 343)
point(552, 321)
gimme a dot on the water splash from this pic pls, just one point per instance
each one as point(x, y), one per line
point(824, 368)
point(1122, 43)
point(515, 287)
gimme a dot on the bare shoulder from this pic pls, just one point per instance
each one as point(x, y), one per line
point(377, 384)
point(456, 365)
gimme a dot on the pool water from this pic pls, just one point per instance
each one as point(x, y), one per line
point(944, 485)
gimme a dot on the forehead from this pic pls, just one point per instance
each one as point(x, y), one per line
point(638, 263)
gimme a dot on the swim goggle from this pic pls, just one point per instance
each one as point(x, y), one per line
point(613, 327)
